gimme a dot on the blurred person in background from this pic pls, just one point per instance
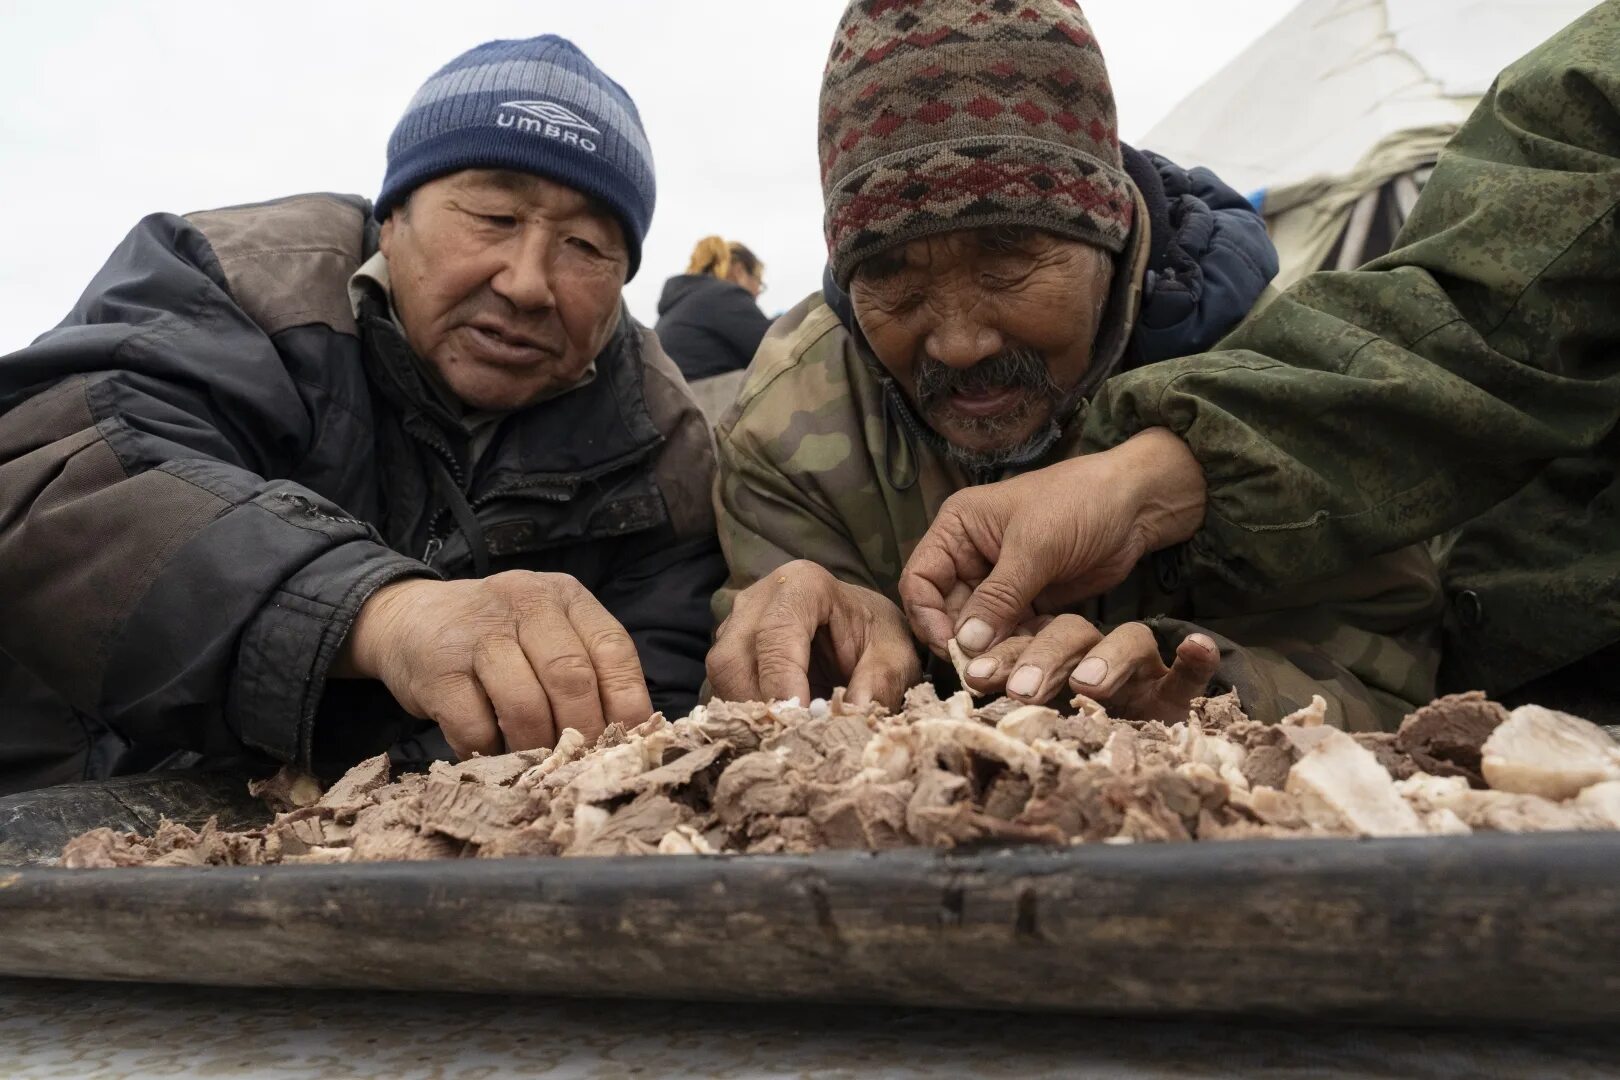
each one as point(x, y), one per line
point(709, 322)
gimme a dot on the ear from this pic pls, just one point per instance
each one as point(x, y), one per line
point(385, 238)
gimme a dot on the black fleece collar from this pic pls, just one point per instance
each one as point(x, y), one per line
point(565, 441)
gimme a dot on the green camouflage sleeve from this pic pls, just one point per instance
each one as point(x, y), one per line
point(765, 520)
point(1366, 641)
point(1365, 411)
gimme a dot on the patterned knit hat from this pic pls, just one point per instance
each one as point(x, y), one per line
point(537, 106)
point(939, 115)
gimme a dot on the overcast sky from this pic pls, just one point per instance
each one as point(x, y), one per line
point(115, 110)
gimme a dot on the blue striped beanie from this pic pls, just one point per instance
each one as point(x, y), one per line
point(537, 106)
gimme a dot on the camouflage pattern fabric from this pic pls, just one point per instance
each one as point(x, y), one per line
point(811, 467)
point(1467, 384)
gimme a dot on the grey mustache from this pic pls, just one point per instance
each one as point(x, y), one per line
point(1013, 369)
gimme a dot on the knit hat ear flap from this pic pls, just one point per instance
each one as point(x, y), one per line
point(938, 115)
point(537, 106)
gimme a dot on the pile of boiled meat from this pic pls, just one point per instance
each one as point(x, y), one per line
point(758, 779)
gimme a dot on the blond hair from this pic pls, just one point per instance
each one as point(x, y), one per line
point(711, 256)
point(715, 255)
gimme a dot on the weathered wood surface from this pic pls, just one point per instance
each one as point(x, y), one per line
point(35, 824)
point(1484, 928)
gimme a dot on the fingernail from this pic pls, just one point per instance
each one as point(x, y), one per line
point(975, 635)
point(983, 667)
point(1025, 681)
point(1202, 642)
point(1091, 673)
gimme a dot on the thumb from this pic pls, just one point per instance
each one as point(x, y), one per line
point(1197, 661)
point(1002, 600)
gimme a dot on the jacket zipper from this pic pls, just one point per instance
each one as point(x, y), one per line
point(430, 438)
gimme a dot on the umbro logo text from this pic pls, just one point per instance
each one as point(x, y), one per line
point(548, 119)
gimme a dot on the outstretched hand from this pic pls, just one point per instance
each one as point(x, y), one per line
point(1045, 540)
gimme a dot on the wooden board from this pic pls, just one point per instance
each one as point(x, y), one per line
point(35, 824)
point(1519, 928)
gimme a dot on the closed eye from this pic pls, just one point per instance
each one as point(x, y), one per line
point(584, 245)
point(1000, 282)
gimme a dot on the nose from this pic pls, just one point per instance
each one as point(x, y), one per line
point(524, 277)
point(959, 339)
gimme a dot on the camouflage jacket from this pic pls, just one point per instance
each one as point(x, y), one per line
point(1469, 381)
point(816, 464)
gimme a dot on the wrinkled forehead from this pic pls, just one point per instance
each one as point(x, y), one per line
point(945, 251)
point(529, 189)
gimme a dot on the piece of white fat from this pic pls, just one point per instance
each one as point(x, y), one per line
point(1602, 801)
point(1537, 751)
point(684, 840)
point(1027, 723)
point(1312, 715)
point(1340, 784)
point(960, 661)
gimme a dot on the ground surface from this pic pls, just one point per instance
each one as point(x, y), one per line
point(60, 1029)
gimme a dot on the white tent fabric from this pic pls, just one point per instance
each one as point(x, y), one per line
point(1336, 77)
point(1337, 111)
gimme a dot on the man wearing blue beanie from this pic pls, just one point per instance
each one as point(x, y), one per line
point(315, 478)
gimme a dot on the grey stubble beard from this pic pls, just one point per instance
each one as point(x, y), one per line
point(1020, 367)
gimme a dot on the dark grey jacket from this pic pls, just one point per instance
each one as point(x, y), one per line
point(209, 466)
point(709, 326)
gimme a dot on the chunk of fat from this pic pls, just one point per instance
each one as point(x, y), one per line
point(1029, 723)
point(1339, 783)
point(1276, 808)
point(684, 840)
point(1312, 715)
point(1445, 822)
point(960, 661)
point(1537, 751)
point(1602, 801)
point(588, 821)
point(1426, 792)
point(890, 751)
point(1221, 754)
point(609, 774)
point(1441, 802)
point(1118, 753)
point(1058, 753)
point(1449, 806)
point(570, 745)
point(1084, 706)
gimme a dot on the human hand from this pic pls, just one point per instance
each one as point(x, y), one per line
point(801, 628)
point(1048, 538)
point(1122, 669)
point(502, 663)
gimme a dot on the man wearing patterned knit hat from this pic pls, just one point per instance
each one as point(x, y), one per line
point(303, 480)
point(995, 254)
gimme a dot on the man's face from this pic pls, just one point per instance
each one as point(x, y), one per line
point(506, 283)
point(987, 331)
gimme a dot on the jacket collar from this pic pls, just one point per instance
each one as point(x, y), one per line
point(560, 443)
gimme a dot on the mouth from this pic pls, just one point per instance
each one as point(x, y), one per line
point(504, 347)
point(987, 402)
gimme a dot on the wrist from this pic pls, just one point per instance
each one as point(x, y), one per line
point(1165, 486)
point(361, 655)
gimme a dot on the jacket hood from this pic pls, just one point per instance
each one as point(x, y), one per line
point(683, 287)
point(1209, 259)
